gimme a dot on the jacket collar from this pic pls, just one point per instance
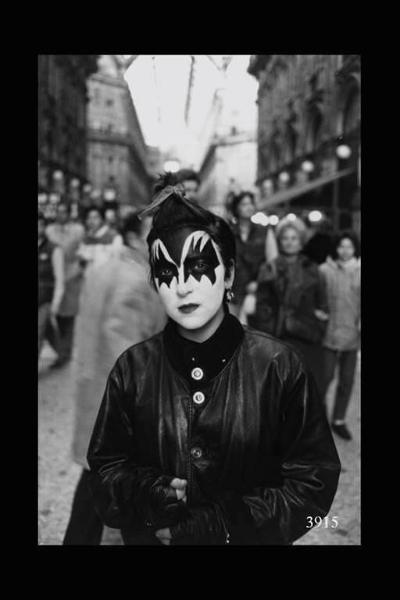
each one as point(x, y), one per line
point(211, 356)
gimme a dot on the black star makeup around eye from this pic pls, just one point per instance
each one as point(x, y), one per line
point(192, 252)
point(198, 263)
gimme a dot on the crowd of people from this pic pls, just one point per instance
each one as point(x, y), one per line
point(300, 292)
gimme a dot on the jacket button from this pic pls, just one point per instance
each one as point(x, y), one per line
point(196, 452)
point(197, 373)
point(198, 398)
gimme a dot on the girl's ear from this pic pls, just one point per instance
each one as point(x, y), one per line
point(230, 274)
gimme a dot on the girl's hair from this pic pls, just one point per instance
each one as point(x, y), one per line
point(237, 200)
point(177, 212)
point(346, 235)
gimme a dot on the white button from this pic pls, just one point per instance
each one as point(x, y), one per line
point(198, 398)
point(197, 373)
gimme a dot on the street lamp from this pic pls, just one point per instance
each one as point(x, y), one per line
point(307, 166)
point(284, 177)
point(273, 219)
point(260, 218)
point(315, 216)
point(343, 151)
point(171, 166)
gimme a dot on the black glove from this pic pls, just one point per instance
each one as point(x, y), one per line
point(203, 525)
point(157, 503)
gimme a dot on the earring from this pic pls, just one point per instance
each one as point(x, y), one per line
point(229, 295)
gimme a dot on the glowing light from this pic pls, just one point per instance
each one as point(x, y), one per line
point(260, 218)
point(315, 216)
point(171, 166)
point(307, 166)
point(343, 151)
point(273, 219)
point(284, 177)
point(291, 217)
point(58, 175)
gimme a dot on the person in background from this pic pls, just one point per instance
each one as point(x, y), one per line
point(68, 236)
point(342, 275)
point(250, 240)
point(111, 219)
point(190, 181)
point(291, 299)
point(118, 308)
point(101, 241)
point(319, 243)
point(208, 433)
point(51, 285)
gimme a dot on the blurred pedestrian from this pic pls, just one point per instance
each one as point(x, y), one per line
point(191, 183)
point(250, 240)
point(68, 235)
point(101, 241)
point(208, 433)
point(118, 308)
point(111, 219)
point(319, 243)
point(51, 286)
point(291, 300)
point(342, 274)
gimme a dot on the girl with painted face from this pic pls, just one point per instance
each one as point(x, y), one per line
point(209, 432)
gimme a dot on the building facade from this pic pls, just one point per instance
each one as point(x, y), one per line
point(309, 134)
point(230, 160)
point(62, 103)
point(116, 153)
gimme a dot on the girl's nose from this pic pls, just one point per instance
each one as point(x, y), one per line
point(183, 287)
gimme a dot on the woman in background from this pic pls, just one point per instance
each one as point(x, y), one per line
point(250, 240)
point(291, 299)
point(342, 275)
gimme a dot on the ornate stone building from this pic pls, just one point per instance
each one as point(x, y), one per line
point(117, 153)
point(62, 102)
point(309, 134)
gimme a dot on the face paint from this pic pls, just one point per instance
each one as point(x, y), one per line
point(189, 275)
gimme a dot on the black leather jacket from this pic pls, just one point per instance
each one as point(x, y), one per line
point(257, 450)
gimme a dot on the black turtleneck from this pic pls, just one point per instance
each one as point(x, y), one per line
point(210, 356)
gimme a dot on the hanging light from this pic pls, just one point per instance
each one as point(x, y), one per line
point(343, 151)
point(172, 166)
point(314, 216)
point(307, 166)
point(273, 219)
point(109, 195)
point(284, 177)
point(260, 218)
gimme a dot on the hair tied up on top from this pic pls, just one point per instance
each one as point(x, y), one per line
point(177, 190)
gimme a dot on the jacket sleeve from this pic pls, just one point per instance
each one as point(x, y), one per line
point(126, 494)
point(310, 469)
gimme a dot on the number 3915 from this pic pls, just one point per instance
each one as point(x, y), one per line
point(317, 522)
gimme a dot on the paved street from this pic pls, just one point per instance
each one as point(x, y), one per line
point(58, 475)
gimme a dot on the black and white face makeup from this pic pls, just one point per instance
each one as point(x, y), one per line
point(189, 274)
